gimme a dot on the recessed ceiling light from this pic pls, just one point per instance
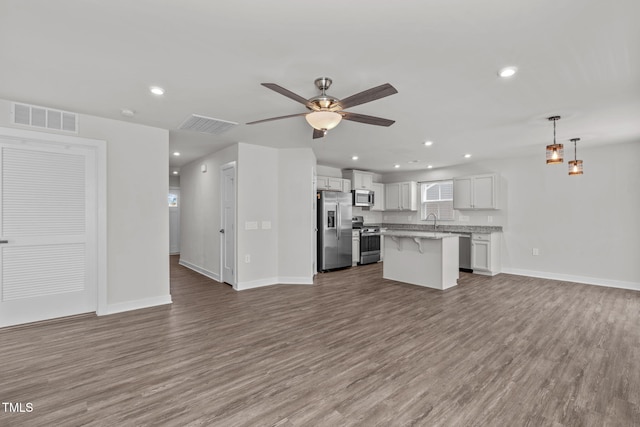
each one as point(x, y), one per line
point(466, 156)
point(354, 158)
point(507, 71)
point(396, 166)
point(176, 153)
point(156, 90)
point(175, 172)
point(428, 143)
point(429, 166)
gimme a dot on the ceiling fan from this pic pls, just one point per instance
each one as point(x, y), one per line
point(326, 111)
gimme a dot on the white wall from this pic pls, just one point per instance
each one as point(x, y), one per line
point(296, 239)
point(137, 213)
point(585, 227)
point(257, 202)
point(200, 212)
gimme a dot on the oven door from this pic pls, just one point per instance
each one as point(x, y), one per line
point(369, 248)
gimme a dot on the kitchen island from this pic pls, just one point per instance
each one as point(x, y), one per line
point(421, 258)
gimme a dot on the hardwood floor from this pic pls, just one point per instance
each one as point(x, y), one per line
point(354, 349)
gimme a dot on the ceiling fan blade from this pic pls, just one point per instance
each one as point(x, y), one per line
point(277, 118)
point(368, 95)
point(370, 120)
point(286, 92)
point(318, 133)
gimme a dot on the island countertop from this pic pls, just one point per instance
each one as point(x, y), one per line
point(417, 234)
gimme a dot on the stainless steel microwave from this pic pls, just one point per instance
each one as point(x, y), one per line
point(363, 197)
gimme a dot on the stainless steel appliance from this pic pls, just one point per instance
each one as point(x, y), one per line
point(334, 230)
point(369, 241)
point(363, 197)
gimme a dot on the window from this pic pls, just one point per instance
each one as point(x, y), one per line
point(436, 197)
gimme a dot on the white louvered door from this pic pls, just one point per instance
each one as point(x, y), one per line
point(48, 232)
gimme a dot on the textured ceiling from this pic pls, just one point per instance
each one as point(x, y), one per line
point(576, 59)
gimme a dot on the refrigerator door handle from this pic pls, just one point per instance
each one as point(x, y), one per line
point(339, 223)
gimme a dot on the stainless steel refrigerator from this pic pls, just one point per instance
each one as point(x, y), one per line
point(334, 230)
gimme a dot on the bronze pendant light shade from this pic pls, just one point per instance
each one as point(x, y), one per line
point(575, 165)
point(555, 152)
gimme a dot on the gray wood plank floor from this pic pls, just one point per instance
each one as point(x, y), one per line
point(354, 349)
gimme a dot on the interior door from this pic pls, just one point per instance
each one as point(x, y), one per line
point(228, 229)
point(174, 221)
point(48, 231)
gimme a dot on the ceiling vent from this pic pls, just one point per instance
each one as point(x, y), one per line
point(206, 124)
point(44, 118)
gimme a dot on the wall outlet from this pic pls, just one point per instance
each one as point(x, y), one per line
point(247, 258)
point(535, 251)
point(251, 225)
point(463, 218)
point(266, 225)
point(489, 219)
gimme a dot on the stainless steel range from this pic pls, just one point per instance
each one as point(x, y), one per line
point(369, 241)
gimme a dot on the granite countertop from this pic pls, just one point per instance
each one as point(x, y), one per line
point(442, 228)
point(418, 234)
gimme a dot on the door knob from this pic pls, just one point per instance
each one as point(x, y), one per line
point(222, 230)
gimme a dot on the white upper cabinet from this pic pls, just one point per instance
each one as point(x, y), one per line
point(400, 196)
point(378, 197)
point(476, 192)
point(360, 180)
point(333, 184)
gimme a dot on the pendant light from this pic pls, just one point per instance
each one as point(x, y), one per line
point(555, 152)
point(575, 165)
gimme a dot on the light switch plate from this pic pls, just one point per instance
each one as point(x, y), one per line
point(266, 225)
point(251, 225)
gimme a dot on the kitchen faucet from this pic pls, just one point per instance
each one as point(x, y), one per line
point(435, 219)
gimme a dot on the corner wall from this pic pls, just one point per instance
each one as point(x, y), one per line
point(200, 212)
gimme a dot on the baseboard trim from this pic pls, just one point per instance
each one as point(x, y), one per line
point(252, 284)
point(198, 269)
point(137, 304)
point(577, 279)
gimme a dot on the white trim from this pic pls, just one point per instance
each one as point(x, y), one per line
point(197, 269)
point(576, 279)
point(241, 286)
point(138, 304)
point(296, 280)
point(259, 283)
point(100, 148)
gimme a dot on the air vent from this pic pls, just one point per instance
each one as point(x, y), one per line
point(42, 117)
point(206, 124)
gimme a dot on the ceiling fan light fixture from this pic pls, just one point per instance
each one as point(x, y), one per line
point(323, 120)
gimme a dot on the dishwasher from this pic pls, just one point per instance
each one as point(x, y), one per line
point(465, 252)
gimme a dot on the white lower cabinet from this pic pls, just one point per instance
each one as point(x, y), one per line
point(485, 253)
point(355, 247)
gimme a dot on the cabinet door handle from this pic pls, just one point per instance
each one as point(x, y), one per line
point(4, 241)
